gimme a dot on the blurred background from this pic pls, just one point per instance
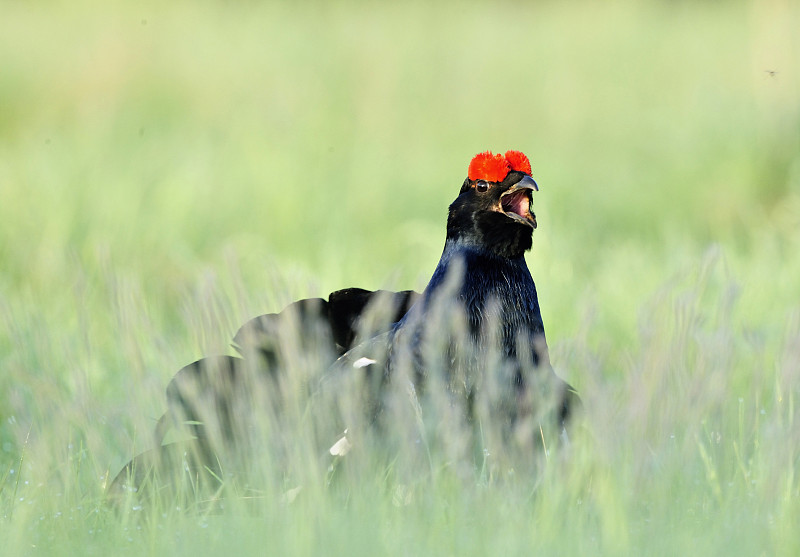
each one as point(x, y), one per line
point(169, 170)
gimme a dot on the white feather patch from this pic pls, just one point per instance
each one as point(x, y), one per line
point(363, 362)
point(342, 446)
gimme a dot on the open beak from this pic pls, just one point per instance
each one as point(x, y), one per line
point(516, 202)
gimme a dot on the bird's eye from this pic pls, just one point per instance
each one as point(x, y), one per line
point(482, 186)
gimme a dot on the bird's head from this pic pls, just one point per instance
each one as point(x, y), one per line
point(493, 208)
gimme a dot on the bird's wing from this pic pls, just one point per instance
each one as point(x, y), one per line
point(350, 390)
point(334, 324)
point(205, 389)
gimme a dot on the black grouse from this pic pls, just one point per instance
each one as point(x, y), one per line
point(478, 316)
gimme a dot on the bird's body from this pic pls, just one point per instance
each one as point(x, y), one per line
point(492, 288)
point(477, 319)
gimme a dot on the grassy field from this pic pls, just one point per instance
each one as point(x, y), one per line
point(167, 173)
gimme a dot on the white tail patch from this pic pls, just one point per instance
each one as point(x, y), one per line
point(342, 446)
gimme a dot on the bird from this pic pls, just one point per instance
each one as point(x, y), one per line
point(479, 314)
point(477, 320)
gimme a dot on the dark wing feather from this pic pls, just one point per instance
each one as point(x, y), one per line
point(334, 323)
point(206, 390)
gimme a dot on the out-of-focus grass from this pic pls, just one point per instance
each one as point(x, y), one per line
point(168, 172)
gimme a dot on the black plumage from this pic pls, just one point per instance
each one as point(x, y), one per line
point(206, 390)
point(482, 282)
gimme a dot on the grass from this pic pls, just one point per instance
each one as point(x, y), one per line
point(168, 172)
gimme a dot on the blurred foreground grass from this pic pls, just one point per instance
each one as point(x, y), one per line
point(168, 172)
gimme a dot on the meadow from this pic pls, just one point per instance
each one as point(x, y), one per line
point(169, 171)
